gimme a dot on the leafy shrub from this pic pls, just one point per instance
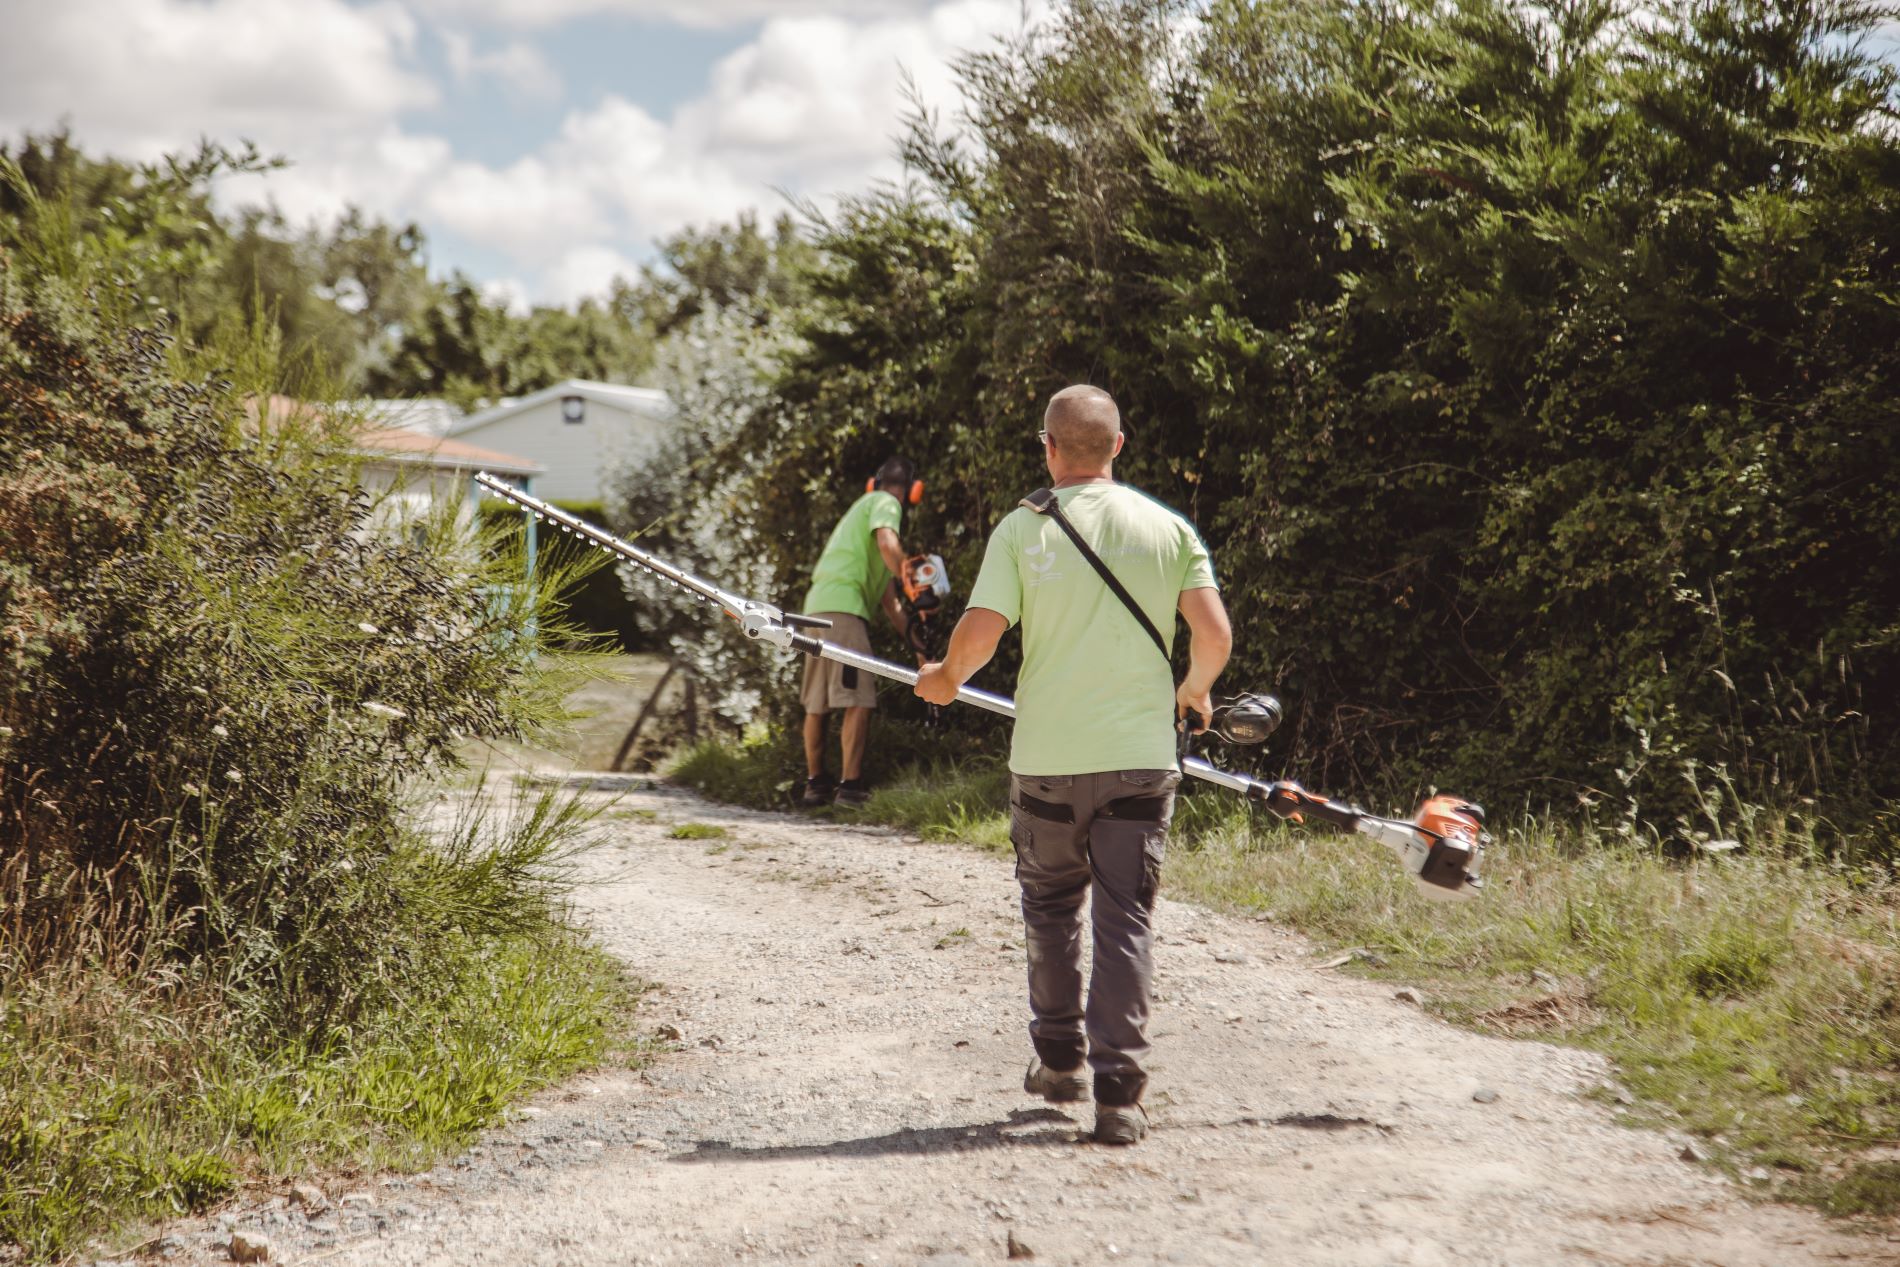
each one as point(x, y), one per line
point(1530, 369)
point(217, 678)
point(224, 936)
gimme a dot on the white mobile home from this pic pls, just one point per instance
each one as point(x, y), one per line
point(578, 431)
point(409, 475)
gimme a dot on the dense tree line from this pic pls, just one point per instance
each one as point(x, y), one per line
point(1530, 367)
point(353, 304)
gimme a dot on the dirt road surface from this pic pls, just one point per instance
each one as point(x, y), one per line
point(845, 1088)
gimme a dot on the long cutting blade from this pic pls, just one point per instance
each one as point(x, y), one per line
point(733, 604)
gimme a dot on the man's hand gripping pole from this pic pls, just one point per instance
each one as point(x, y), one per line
point(1440, 849)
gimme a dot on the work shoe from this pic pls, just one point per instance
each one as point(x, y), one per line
point(1120, 1123)
point(817, 792)
point(851, 792)
point(1057, 1088)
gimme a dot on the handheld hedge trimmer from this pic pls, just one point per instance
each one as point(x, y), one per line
point(1440, 847)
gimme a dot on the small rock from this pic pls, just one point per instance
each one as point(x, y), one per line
point(1540, 977)
point(249, 1247)
point(1622, 1095)
point(650, 1144)
point(672, 1033)
point(1485, 1095)
point(309, 1196)
point(1693, 1151)
point(1017, 1248)
point(356, 1198)
point(1233, 1016)
point(1758, 1173)
point(1228, 956)
point(1409, 995)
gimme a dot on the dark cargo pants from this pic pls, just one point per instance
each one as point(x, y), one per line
point(1101, 836)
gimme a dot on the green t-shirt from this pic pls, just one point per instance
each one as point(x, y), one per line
point(1094, 694)
point(851, 575)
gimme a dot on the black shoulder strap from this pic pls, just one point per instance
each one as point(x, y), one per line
point(1043, 502)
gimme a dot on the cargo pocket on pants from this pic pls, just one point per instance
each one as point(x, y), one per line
point(1026, 809)
point(1151, 806)
point(1153, 850)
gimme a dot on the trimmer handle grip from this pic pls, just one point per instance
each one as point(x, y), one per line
point(1290, 800)
point(805, 622)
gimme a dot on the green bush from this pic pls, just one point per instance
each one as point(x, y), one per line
point(226, 938)
point(218, 678)
point(1531, 370)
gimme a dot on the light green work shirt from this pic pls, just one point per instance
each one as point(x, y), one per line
point(851, 575)
point(1094, 693)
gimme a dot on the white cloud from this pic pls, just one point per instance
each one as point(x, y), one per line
point(588, 270)
point(141, 77)
point(518, 66)
point(704, 14)
point(816, 103)
point(508, 292)
point(810, 105)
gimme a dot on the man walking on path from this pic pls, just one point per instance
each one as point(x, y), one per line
point(1093, 758)
point(853, 575)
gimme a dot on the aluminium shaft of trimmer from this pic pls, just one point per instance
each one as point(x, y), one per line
point(761, 620)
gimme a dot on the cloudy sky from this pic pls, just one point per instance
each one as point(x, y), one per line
point(543, 145)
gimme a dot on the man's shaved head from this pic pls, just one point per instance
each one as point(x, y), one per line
point(1082, 423)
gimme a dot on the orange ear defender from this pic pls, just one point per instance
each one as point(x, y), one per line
point(916, 489)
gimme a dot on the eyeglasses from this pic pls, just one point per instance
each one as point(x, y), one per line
point(1042, 437)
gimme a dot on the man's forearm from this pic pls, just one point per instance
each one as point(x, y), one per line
point(1207, 656)
point(891, 550)
point(1211, 639)
point(893, 610)
point(972, 643)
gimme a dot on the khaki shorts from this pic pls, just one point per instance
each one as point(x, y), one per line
point(830, 685)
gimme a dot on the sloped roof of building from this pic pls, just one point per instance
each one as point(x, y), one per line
point(425, 414)
point(400, 444)
point(642, 400)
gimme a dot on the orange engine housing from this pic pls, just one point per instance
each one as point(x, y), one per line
point(1452, 818)
point(926, 582)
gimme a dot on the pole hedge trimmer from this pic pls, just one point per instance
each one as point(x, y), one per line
point(1440, 847)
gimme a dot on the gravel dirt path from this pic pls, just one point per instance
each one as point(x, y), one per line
point(845, 1087)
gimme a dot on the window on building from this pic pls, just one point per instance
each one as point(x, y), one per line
point(573, 409)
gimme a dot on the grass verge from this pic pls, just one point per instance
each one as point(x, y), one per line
point(1751, 999)
point(121, 1101)
point(129, 1095)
